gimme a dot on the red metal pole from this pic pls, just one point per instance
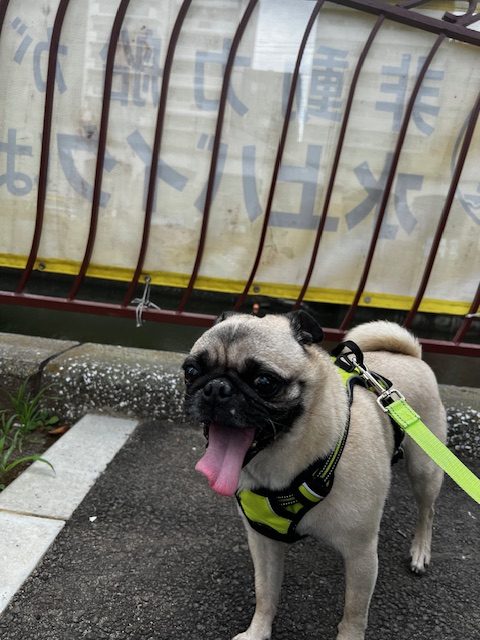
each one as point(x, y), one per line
point(215, 151)
point(467, 321)
point(336, 160)
point(102, 143)
point(389, 183)
point(280, 150)
point(152, 182)
point(467, 139)
point(45, 151)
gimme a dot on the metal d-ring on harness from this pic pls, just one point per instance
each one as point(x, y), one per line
point(385, 396)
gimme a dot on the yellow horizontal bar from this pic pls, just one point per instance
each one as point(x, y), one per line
point(223, 285)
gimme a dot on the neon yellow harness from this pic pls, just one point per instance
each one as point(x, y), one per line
point(276, 514)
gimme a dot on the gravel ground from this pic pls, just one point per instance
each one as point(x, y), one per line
point(464, 430)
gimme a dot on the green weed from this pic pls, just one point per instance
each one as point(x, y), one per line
point(31, 415)
point(9, 438)
point(18, 425)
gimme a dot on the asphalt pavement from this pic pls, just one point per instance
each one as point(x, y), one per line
point(152, 553)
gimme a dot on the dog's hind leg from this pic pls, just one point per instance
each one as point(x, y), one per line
point(268, 560)
point(426, 479)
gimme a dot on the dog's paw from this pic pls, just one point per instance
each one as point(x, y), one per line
point(247, 635)
point(419, 559)
point(418, 568)
point(351, 635)
point(347, 631)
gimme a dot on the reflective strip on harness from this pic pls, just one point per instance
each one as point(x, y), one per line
point(264, 512)
point(308, 493)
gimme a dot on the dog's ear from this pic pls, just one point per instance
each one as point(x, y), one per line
point(305, 328)
point(224, 315)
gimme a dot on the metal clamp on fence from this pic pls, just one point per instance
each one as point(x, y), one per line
point(144, 302)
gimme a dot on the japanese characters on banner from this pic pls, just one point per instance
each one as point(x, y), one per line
point(254, 115)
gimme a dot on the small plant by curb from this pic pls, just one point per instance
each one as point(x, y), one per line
point(20, 425)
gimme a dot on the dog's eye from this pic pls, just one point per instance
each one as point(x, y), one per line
point(266, 385)
point(191, 372)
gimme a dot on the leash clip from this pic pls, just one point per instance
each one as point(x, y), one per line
point(348, 365)
point(364, 373)
point(385, 396)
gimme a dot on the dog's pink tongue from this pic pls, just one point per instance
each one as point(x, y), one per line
point(223, 459)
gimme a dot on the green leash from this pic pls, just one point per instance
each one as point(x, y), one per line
point(392, 402)
point(410, 422)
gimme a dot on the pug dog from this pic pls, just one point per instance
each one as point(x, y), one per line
point(271, 401)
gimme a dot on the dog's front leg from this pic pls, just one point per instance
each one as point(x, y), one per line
point(268, 560)
point(361, 566)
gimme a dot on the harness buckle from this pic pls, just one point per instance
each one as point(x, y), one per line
point(385, 398)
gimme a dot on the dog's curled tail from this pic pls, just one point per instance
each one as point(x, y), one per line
point(381, 335)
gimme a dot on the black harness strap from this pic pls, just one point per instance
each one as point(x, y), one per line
point(349, 367)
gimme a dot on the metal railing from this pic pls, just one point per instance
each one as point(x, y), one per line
point(451, 26)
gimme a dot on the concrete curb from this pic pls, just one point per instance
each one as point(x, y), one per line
point(35, 507)
point(116, 380)
point(98, 378)
point(25, 357)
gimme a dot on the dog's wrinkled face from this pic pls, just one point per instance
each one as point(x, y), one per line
point(244, 382)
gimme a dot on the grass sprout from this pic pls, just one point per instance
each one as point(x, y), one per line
point(19, 424)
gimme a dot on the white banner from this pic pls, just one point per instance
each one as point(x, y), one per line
point(254, 117)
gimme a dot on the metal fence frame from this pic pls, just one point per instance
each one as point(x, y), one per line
point(451, 26)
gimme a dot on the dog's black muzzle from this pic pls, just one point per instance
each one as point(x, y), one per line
point(224, 398)
point(218, 391)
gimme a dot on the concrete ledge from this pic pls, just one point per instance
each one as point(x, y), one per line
point(95, 378)
point(116, 380)
point(23, 356)
point(461, 397)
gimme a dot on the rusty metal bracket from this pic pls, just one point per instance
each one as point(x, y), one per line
point(143, 303)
